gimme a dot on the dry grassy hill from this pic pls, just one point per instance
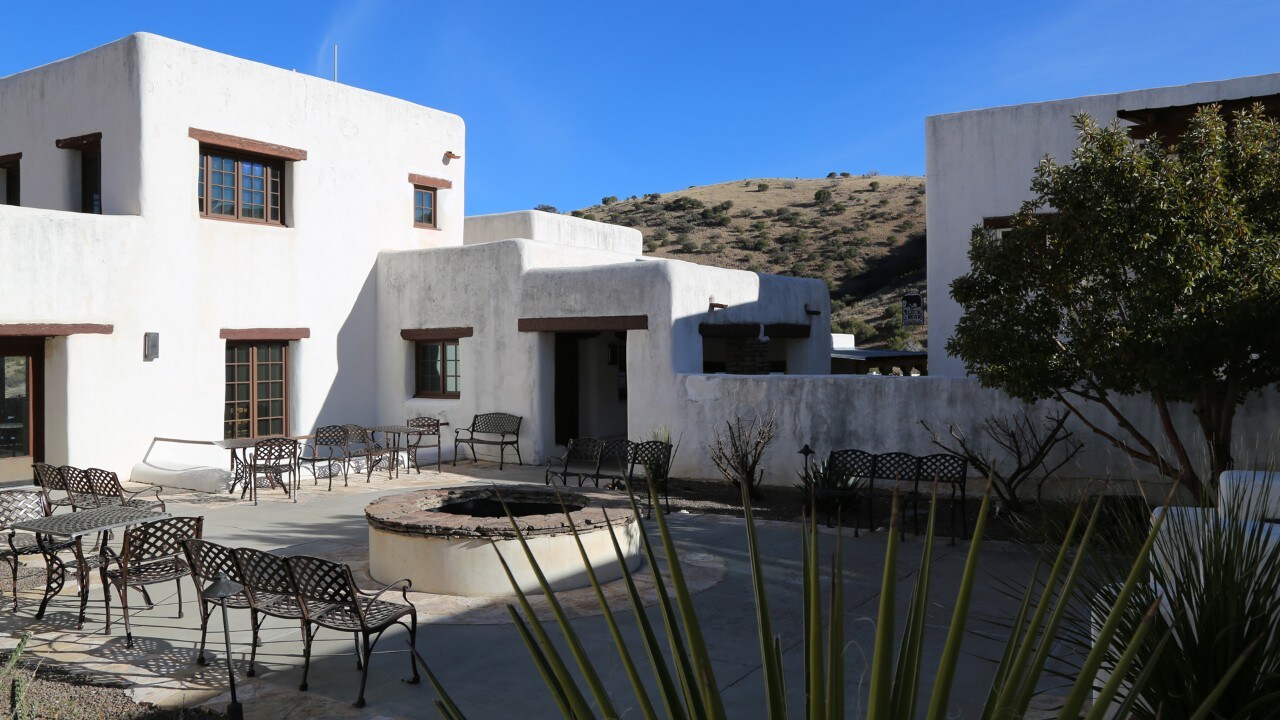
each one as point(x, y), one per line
point(863, 235)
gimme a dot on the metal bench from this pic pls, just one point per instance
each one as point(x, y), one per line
point(503, 425)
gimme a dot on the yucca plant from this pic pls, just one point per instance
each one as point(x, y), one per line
point(685, 677)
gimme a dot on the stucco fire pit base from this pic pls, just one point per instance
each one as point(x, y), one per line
point(444, 539)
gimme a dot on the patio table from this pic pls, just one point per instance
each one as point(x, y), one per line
point(76, 526)
point(391, 435)
point(240, 447)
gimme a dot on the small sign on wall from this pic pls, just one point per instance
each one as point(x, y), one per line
point(150, 346)
point(912, 309)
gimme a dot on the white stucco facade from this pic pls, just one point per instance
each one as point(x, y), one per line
point(340, 280)
point(980, 165)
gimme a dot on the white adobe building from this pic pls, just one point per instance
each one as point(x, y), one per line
point(980, 164)
point(296, 251)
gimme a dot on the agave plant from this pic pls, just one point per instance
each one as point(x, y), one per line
point(685, 678)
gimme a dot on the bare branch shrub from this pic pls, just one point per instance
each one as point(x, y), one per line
point(1020, 450)
point(737, 453)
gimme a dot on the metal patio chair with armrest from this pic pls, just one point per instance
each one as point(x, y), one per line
point(328, 445)
point(270, 591)
point(152, 553)
point(653, 457)
point(581, 459)
point(274, 458)
point(429, 426)
point(615, 455)
point(848, 473)
point(50, 481)
point(903, 470)
point(108, 492)
point(331, 599)
point(206, 560)
point(361, 444)
point(951, 470)
point(16, 506)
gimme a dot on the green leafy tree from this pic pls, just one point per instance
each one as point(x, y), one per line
point(822, 197)
point(1139, 269)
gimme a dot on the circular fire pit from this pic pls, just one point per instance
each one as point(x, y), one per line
point(444, 540)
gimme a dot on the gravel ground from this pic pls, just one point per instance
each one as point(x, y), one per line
point(50, 691)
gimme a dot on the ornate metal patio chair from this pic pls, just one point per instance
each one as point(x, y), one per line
point(615, 455)
point(847, 474)
point(206, 560)
point(653, 458)
point(79, 490)
point(108, 492)
point(50, 481)
point(951, 470)
point(429, 427)
point(274, 459)
point(901, 469)
point(270, 591)
point(580, 460)
point(328, 446)
point(152, 553)
point(331, 599)
point(360, 444)
point(16, 506)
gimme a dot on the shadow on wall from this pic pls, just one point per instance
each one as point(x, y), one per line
point(352, 396)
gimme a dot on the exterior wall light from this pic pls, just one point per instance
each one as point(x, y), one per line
point(150, 346)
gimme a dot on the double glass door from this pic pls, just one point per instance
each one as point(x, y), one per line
point(21, 406)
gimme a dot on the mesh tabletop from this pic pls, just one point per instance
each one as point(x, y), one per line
point(394, 429)
point(87, 522)
point(236, 443)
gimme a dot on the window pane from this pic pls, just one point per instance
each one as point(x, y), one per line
point(424, 206)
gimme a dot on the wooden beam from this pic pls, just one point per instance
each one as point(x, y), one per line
point(586, 323)
point(257, 147)
point(10, 158)
point(445, 333)
point(264, 333)
point(55, 329)
point(428, 181)
point(786, 330)
point(78, 142)
point(729, 330)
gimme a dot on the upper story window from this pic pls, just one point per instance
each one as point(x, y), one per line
point(240, 187)
point(242, 179)
point(425, 192)
point(424, 206)
point(10, 179)
point(90, 149)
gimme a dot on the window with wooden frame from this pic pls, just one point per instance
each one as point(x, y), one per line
point(256, 389)
point(236, 186)
point(424, 206)
point(426, 190)
point(437, 370)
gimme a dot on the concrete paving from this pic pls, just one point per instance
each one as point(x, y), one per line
point(470, 642)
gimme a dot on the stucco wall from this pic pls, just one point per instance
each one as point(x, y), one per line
point(980, 163)
point(558, 229)
point(882, 414)
point(186, 277)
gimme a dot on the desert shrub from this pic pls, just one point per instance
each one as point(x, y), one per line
point(793, 237)
point(548, 208)
point(883, 201)
point(874, 185)
point(762, 187)
point(788, 185)
point(608, 199)
point(652, 197)
point(686, 243)
point(799, 269)
point(837, 209)
point(737, 453)
point(759, 226)
point(831, 175)
point(662, 237)
point(822, 197)
point(845, 174)
point(682, 204)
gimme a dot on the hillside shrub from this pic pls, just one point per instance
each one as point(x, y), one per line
point(682, 204)
point(822, 197)
point(547, 208)
point(652, 198)
point(831, 175)
point(845, 175)
point(762, 187)
point(875, 185)
point(608, 199)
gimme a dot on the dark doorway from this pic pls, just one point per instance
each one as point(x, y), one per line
point(21, 406)
point(566, 386)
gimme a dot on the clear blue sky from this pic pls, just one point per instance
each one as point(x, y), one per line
point(567, 102)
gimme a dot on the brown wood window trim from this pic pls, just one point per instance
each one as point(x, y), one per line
point(448, 333)
point(10, 158)
point(79, 142)
point(447, 366)
point(11, 164)
point(593, 323)
point(246, 411)
point(265, 334)
point(242, 183)
point(55, 329)
point(431, 182)
point(245, 145)
point(431, 208)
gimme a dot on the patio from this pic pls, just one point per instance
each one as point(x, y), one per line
point(469, 642)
